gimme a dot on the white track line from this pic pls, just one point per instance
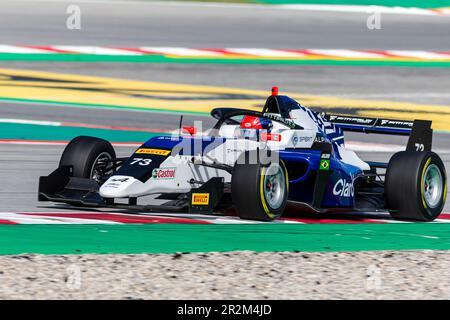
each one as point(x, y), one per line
point(23, 219)
point(419, 54)
point(346, 53)
point(97, 50)
point(4, 48)
point(230, 52)
point(34, 122)
point(359, 9)
point(67, 220)
point(265, 52)
point(180, 51)
point(441, 221)
point(62, 143)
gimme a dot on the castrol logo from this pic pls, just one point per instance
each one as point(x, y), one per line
point(164, 173)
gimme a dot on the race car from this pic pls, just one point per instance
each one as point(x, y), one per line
point(257, 164)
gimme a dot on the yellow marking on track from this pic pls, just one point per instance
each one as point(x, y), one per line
point(78, 89)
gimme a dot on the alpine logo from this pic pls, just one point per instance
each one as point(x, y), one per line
point(163, 173)
point(343, 188)
point(319, 139)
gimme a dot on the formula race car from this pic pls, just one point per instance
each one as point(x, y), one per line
point(259, 164)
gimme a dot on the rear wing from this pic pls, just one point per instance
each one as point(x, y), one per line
point(419, 131)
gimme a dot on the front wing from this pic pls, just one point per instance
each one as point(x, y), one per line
point(61, 186)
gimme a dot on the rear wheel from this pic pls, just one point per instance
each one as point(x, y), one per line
point(260, 190)
point(416, 186)
point(89, 157)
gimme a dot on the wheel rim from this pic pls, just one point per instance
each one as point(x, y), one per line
point(432, 186)
point(274, 186)
point(99, 168)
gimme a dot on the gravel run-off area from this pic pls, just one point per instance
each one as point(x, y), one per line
point(232, 275)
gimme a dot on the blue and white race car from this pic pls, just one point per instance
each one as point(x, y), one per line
point(260, 164)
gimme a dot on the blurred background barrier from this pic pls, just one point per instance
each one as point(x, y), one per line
point(387, 3)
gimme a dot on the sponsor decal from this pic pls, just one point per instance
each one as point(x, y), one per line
point(120, 180)
point(270, 137)
point(287, 122)
point(343, 188)
point(233, 150)
point(158, 152)
point(251, 122)
point(368, 121)
point(164, 173)
point(297, 139)
point(363, 121)
point(324, 164)
point(201, 199)
point(387, 123)
point(319, 139)
point(115, 182)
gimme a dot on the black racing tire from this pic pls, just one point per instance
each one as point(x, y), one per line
point(410, 191)
point(248, 184)
point(83, 152)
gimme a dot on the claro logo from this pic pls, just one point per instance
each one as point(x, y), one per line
point(343, 188)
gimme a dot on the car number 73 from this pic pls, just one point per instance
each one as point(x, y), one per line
point(141, 161)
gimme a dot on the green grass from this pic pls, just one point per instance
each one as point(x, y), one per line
point(52, 133)
point(170, 238)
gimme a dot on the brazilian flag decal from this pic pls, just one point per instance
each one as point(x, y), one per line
point(324, 164)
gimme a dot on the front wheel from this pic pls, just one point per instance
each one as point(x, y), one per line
point(259, 190)
point(88, 157)
point(416, 186)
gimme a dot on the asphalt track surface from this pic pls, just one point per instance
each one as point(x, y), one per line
point(190, 25)
point(417, 85)
point(116, 24)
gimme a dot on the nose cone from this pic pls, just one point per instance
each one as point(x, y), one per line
point(118, 187)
